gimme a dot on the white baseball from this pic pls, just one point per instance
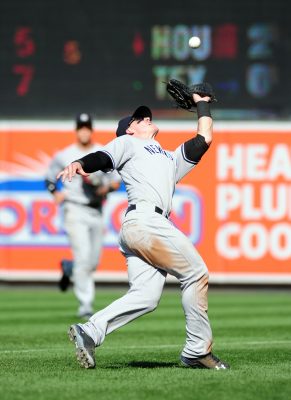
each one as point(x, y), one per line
point(194, 42)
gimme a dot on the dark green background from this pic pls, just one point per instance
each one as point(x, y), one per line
point(110, 81)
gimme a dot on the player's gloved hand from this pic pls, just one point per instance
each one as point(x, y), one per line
point(71, 170)
point(183, 95)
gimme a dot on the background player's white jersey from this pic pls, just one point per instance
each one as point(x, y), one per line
point(77, 191)
point(149, 173)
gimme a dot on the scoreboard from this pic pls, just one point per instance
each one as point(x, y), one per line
point(58, 58)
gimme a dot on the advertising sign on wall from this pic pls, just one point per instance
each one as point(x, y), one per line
point(235, 206)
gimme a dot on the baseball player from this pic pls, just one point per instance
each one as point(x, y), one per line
point(82, 213)
point(153, 247)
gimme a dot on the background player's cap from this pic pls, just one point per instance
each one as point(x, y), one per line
point(84, 120)
point(140, 113)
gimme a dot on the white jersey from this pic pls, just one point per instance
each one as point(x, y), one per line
point(77, 191)
point(149, 173)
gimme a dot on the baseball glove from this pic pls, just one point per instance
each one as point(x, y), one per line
point(183, 95)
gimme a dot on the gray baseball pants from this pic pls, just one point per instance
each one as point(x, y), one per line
point(153, 247)
point(84, 226)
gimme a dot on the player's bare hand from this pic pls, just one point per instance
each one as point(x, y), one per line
point(102, 190)
point(71, 170)
point(59, 197)
point(197, 97)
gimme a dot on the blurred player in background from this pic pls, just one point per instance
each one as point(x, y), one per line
point(82, 202)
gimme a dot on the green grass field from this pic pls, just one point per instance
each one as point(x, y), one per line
point(252, 331)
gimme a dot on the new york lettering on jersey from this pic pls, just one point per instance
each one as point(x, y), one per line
point(156, 149)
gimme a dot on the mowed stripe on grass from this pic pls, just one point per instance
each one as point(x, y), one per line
point(252, 331)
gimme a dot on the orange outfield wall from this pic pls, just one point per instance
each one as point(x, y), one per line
point(241, 190)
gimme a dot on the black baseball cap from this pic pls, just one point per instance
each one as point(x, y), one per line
point(140, 113)
point(84, 120)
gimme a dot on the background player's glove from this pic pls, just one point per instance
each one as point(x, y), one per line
point(183, 95)
point(94, 179)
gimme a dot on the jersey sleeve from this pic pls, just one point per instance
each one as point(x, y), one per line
point(119, 150)
point(183, 165)
point(56, 165)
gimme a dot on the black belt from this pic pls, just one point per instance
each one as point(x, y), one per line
point(158, 210)
point(91, 205)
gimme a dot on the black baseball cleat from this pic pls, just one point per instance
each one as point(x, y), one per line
point(67, 267)
point(210, 361)
point(64, 283)
point(84, 344)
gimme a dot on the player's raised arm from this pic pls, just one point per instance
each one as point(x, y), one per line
point(195, 98)
point(194, 148)
point(84, 166)
point(205, 123)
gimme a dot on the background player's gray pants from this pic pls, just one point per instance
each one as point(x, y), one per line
point(84, 226)
point(154, 247)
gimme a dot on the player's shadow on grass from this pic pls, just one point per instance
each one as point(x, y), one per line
point(151, 364)
point(144, 364)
